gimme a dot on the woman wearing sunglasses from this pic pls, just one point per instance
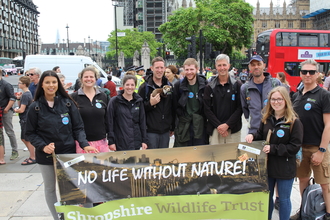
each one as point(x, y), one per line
point(286, 138)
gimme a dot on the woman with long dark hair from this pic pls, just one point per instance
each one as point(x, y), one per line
point(53, 124)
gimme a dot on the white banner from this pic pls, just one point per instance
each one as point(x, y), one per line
point(314, 54)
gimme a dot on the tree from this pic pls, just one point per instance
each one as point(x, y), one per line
point(132, 41)
point(227, 24)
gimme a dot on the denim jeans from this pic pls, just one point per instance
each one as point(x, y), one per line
point(284, 187)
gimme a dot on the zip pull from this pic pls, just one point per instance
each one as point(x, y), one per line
point(197, 95)
point(163, 117)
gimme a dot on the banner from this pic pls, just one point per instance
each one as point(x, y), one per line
point(212, 169)
point(250, 206)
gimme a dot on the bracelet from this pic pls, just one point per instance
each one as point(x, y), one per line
point(18, 99)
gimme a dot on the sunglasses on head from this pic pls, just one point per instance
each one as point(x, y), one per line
point(311, 72)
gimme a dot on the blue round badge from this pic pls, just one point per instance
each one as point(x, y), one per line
point(98, 105)
point(65, 120)
point(280, 133)
point(233, 97)
point(265, 102)
point(191, 95)
point(308, 106)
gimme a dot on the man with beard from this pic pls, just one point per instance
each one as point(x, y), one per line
point(188, 99)
point(254, 93)
point(159, 109)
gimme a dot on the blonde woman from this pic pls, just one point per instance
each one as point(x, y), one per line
point(92, 105)
point(285, 141)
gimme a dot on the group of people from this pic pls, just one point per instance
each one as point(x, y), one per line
point(195, 110)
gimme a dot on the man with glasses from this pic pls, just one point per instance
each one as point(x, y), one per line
point(7, 100)
point(34, 74)
point(312, 104)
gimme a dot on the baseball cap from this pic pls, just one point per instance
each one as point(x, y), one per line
point(257, 58)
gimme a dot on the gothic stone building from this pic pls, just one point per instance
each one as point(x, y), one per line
point(287, 17)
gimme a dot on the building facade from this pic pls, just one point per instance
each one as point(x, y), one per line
point(18, 28)
point(286, 17)
point(147, 15)
point(96, 50)
point(320, 11)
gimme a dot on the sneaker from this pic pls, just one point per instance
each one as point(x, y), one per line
point(296, 216)
point(25, 149)
point(277, 203)
point(14, 155)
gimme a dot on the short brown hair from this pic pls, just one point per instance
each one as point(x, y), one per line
point(157, 59)
point(191, 61)
point(25, 80)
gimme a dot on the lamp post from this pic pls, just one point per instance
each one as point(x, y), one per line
point(67, 37)
point(96, 51)
point(115, 4)
point(89, 46)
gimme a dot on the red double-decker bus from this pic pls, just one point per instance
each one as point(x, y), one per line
point(283, 50)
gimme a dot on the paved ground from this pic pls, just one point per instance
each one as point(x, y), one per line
point(21, 187)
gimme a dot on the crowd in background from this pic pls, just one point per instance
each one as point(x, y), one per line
point(198, 109)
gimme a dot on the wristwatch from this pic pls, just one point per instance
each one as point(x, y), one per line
point(322, 149)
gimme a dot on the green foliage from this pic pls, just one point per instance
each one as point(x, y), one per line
point(132, 41)
point(227, 24)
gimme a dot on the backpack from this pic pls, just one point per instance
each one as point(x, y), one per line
point(312, 204)
point(37, 107)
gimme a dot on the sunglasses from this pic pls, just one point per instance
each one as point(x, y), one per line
point(30, 74)
point(311, 72)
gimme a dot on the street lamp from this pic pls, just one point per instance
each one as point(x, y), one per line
point(89, 46)
point(115, 4)
point(96, 51)
point(67, 37)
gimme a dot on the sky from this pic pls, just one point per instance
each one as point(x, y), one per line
point(85, 18)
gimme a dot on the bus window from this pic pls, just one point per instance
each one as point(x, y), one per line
point(290, 39)
point(308, 40)
point(263, 43)
point(292, 68)
point(279, 39)
point(324, 40)
point(286, 39)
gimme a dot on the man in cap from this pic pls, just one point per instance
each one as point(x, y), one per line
point(254, 93)
point(139, 75)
